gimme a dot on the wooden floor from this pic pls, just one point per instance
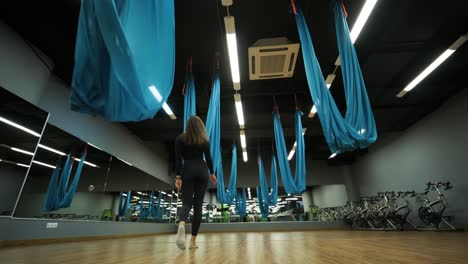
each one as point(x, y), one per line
point(276, 247)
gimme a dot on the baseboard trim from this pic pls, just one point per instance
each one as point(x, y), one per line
point(16, 243)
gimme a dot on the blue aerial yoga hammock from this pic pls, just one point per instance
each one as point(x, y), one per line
point(270, 197)
point(124, 203)
point(57, 195)
point(213, 123)
point(189, 96)
point(241, 203)
point(156, 211)
point(357, 129)
point(124, 58)
point(298, 184)
point(262, 204)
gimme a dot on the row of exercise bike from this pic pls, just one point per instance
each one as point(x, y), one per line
point(393, 210)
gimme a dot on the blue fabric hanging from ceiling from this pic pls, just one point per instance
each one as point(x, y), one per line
point(262, 203)
point(124, 58)
point(143, 210)
point(213, 127)
point(124, 203)
point(357, 129)
point(189, 98)
point(296, 185)
point(241, 203)
point(57, 195)
point(270, 195)
point(158, 210)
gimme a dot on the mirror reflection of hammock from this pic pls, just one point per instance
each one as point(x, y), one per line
point(57, 195)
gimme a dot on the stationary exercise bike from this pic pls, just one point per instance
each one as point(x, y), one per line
point(400, 212)
point(432, 212)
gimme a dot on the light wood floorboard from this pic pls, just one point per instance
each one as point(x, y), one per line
point(275, 247)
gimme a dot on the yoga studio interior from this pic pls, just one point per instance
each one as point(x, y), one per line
point(233, 131)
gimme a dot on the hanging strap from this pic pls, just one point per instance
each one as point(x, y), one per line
point(344, 9)
point(188, 69)
point(275, 106)
point(294, 7)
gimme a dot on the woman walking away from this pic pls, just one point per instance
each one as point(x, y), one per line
point(192, 175)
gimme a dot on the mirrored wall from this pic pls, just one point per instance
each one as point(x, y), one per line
point(21, 125)
point(317, 203)
point(101, 191)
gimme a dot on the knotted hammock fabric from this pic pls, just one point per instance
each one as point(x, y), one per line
point(262, 203)
point(296, 185)
point(241, 203)
point(124, 58)
point(270, 197)
point(213, 127)
point(155, 211)
point(57, 195)
point(189, 98)
point(124, 203)
point(357, 129)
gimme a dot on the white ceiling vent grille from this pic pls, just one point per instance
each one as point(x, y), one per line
point(272, 58)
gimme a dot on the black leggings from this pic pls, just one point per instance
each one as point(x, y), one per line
point(194, 184)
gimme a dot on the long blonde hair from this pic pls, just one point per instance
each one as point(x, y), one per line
point(195, 132)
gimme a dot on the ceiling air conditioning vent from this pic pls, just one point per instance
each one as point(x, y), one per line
point(272, 58)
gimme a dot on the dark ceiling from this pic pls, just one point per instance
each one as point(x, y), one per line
point(399, 40)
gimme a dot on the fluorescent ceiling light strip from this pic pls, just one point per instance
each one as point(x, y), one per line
point(22, 151)
point(244, 155)
point(128, 163)
point(332, 156)
point(233, 57)
point(52, 150)
point(44, 164)
point(94, 146)
point(158, 97)
point(87, 163)
point(64, 154)
point(231, 39)
point(242, 139)
point(239, 110)
point(362, 19)
point(293, 149)
point(22, 165)
point(25, 129)
point(427, 71)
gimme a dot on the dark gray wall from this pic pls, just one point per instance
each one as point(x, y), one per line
point(330, 195)
point(22, 73)
point(434, 149)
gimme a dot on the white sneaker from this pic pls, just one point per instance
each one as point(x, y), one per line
point(180, 237)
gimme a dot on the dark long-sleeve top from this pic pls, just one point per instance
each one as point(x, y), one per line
point(191, 152)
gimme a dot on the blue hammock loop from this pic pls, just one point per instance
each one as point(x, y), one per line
point(262, 204)
point(124, 203)
point(296, 185)
point(60, 192)
point(357, 129)
point(241, 203)
point(213, 127)
point(124, 58)
point(189, 94)
point(269, 195)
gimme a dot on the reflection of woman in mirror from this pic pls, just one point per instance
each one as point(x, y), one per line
point(191, 148)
